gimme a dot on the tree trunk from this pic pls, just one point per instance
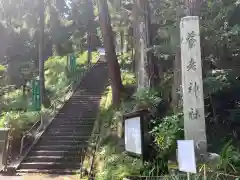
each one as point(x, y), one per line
point(142, 16)
point(41, 51)
point(89, 44)
point(111, 57)
point(90, 30)
point(153, 67)
point(192, 7)
point(141, 43)
point(177, 81)
point(122, 41)
point(135, 40)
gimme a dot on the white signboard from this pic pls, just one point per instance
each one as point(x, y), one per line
point(193, 102)
point(133, 137)
point(101, 51)
point(186, 156)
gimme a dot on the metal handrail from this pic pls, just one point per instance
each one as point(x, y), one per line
point(95, 148)
point(93, 157)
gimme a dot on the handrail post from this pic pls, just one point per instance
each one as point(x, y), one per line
point(4, 142)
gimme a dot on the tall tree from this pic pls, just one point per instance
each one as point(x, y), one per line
point(41, 49)
point(192, 7)
point(90, 29)
point(145, 61)
point(111, 57)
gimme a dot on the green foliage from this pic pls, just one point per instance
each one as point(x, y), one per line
point(56, 76)
point(230, 158)
point(216, 80)
point(19, 120)
point(128, 78)
point(158, 167)
point(2, 69)
point(83, 57)
point(125, 60)
point(220, 27)
point(117, 164)
point(16, 106)
point(14, 101)
point(146, 98)
point(167, 133)
point(112, 162)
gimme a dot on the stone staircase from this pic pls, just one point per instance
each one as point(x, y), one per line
point(61, 146)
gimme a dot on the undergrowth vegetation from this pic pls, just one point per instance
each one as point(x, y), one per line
point(165, 128)
point(111, 160)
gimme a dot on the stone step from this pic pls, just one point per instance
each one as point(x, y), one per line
point(62, 142)
point(77, 118)
point(69, 116)
point(62, 147)
point(74, 159)
point(73, 114)
point(76, 126)
point(49, 171)
point(62, 123)
point(50, 165)
point(70, 128)
point(54, 153)
point(61, 137)
point(77, 112)
point(84, 99)
point(72, 133)
point(86, 125)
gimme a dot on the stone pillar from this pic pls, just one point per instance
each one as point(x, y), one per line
point(193, 101)
point(3, 147)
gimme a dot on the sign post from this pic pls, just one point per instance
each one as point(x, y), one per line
point(36, 102)
point(186, 157)
point(72, 63)
point(136, 134)
point(102, 54)
point(193, 101)
point(3, 148)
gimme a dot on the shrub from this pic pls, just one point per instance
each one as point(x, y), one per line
point(116, 164)
point(230, 158)
point(112, 162)
point(146, 98)
point(167, 132)
point(128, 78)
point(15, 101)
point(125, 60)
point(82, 58)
